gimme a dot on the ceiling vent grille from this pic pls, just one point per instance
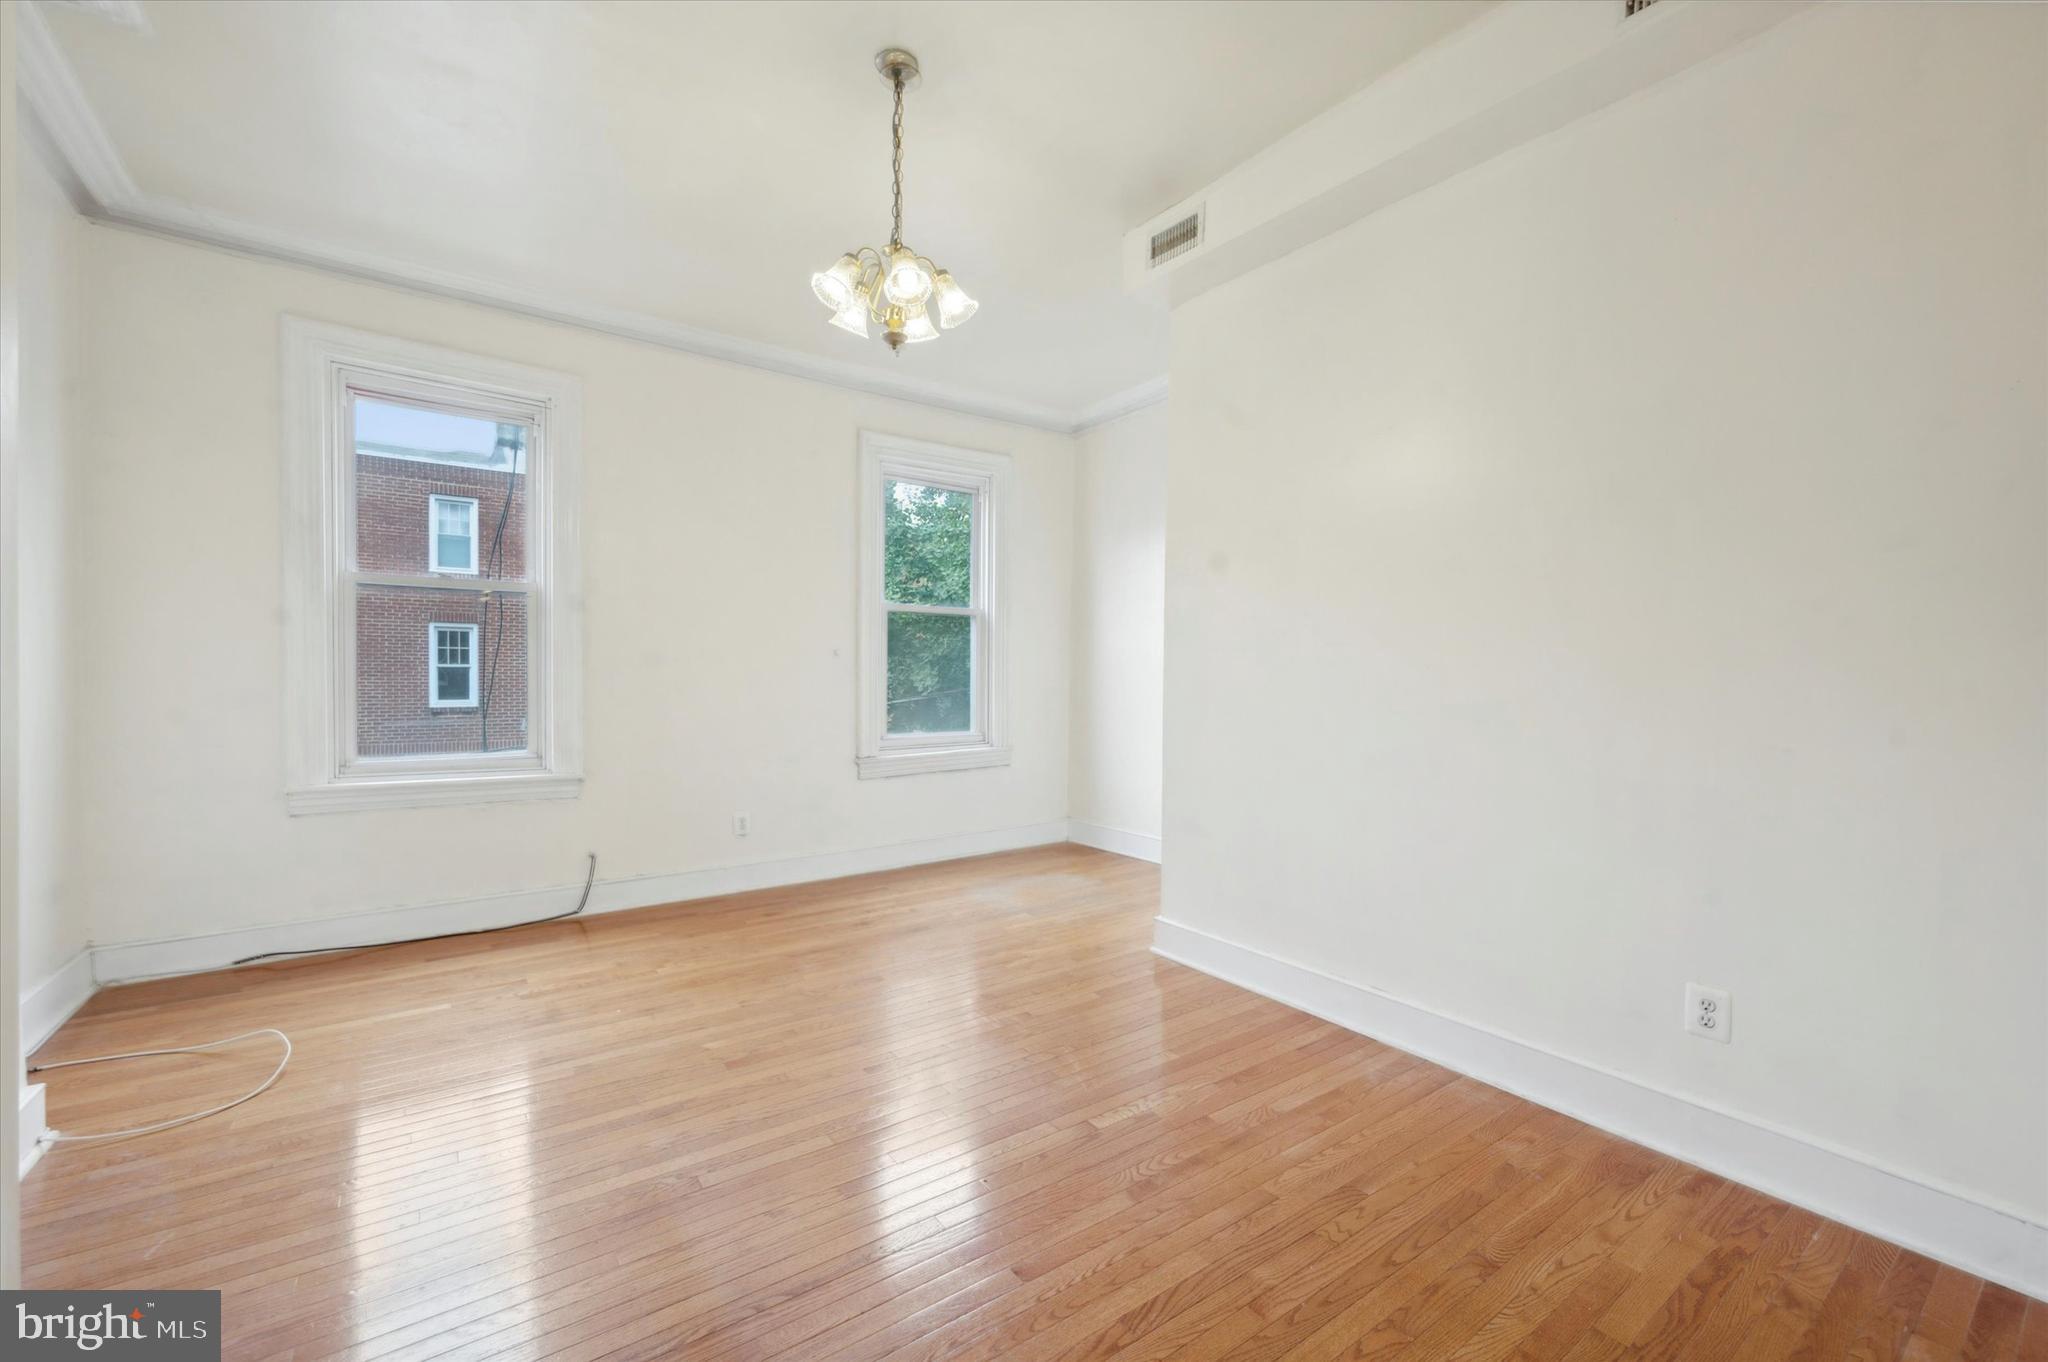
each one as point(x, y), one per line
point(1176, 240)
point(1631, 8)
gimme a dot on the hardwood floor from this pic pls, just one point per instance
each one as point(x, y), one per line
point(955, 1112)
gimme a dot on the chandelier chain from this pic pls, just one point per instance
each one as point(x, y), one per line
point(896, 164)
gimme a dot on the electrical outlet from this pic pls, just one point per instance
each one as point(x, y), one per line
point(741, 825)
point(1707, 1013)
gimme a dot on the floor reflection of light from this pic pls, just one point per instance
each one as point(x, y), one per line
point(909, 1179)
point(463, 1155)
point(978, 1073)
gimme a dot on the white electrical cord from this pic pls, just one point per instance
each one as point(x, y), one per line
point(55, 1137)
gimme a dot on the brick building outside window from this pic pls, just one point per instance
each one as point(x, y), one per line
point(439, 672)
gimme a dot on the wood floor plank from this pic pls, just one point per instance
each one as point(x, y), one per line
point(1890, 1322)
point(1945, 1318)
point(1849, 1303)
point(957, 1113)
point(2034, 1333)
point(1795, 1294)
point(1994, 1332)
point(1064, 1274)
point(1727, 1311)
point(1206, 1297)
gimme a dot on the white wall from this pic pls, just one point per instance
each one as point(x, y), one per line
point(1627, 563)
point(719, 626)
point(52, 930)
point(10, 656)
point(1119, 628)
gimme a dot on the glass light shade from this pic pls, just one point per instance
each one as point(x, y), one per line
point(918, 327)
point(906, 281)
point(853, 317)
point(835, 287)
point(955, 306)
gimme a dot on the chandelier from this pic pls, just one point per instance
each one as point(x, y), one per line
point(896, 288)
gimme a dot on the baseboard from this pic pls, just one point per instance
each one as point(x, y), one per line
point(1144, 846)
point(1942, 1223)
point(32, 1127)
point(135, 960)
point(51, 1003)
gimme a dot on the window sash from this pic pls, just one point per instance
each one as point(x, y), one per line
point(439, 582)
point(977, 699)
point(912, 608)
point(975, 732)
point(433, 394)
point(977, 495)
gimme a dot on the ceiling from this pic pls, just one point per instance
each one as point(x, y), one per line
point(694, 163)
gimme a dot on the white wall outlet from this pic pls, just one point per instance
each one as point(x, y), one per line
point(1707, 1014)
point(741, 825)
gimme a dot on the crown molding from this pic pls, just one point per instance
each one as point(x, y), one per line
point(165, 217)
point(1119, 405)
point(51, 90)
point(49, 87)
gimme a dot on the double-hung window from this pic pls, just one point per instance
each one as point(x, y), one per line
point(451, 680)
point(451, 530)
point(432, 649)
point(932, 637)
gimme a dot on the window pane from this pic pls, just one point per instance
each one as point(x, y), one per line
point(399, 656)
point(927, 544)
point(931, 673)
point(453, 643)
point(405, 456)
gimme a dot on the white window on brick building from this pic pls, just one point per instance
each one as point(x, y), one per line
point(431, 637)
point(451, 683)
point(451, 534)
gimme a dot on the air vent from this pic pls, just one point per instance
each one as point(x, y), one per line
point(1631, 8)
point(1178, 239)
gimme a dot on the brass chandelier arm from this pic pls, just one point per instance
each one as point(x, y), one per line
point(873, 264)
point(868, 285)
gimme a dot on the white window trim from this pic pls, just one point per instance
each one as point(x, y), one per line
point(886, 458)
point(321, 362)
point(434, 665)
point(434, 563)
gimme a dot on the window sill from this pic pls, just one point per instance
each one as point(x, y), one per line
point(918, 762)
point(419, 792)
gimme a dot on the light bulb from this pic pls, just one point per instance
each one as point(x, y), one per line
point(906, 281)
point(955, 306)
point(918, 327)
point(853, 317)
point(835, 287)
